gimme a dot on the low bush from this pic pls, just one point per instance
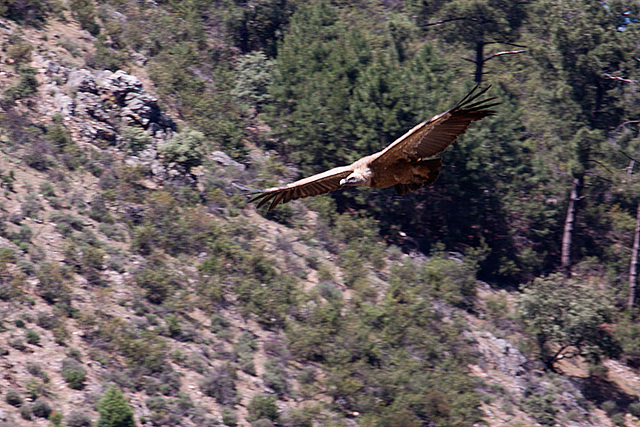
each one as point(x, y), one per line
point(74, 373)
point(78, 419)
point(32, 337)
point(36, 370)
point(220, 384)
point(13, 398)
point(41, 408)
point(274, 376)
point(263, 406)
point(114, 410)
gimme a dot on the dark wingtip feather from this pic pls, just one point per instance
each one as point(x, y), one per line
point(468, 101)
point(257, 195)
point(265, 199)
point(276, 200)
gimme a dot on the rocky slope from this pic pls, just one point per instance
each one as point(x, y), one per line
point(70, 287)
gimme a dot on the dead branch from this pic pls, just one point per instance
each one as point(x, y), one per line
point(444, 21)
point(622, 79)
point(506, 52)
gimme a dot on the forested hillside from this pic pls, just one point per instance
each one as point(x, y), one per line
point(139, 287)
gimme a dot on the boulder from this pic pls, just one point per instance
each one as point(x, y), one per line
point(223, 159)
point(82, 80)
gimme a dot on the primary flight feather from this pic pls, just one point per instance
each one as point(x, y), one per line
point(405, 164)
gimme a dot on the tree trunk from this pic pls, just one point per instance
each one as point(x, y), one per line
point(569, 223)
point(479, 61)
point(633, 269)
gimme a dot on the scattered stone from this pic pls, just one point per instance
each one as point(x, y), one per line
point(82, 80)
point(223, 159)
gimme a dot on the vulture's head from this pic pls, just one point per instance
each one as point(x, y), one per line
point(358, 177)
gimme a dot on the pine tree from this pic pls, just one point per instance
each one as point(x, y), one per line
point(477, 24)
point(573, 105)
point(114, 410)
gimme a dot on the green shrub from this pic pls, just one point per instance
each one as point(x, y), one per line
point(246, 364)
point(173, 325)
point(12, 289)
point(41, 408)
point(572, 319)
point(266, 293)
point(74, 373)
point(452, 280)
point(35, 388)
point(220, 384)
point(55, 418)
point(136, 139)
point(36, 370)
point(84, 12)
point(218, 323)
point(619, 419)
point(185, 148)
point(19, 49)
point(22, 238)
point(540, 406)
point(32, 12)
point(26, 412)
point(32, 337)
point(246, 343)
point(274, 376)
point(114, 410)
point(59, 136)
point(99, 211)
point(263, 406)
point(610, 407)
point(157, 283)
point(18, 344)
point(47, 189)
point(113, 232)
point(262, 422)
point(26, 86)
point(253, 79)
point(92, 258)
point(105, 57)
point(634, 409)
point(229, 417)
point(13, 398)
point(78, 419)
point(47, 321)
point(302, 418)
point(52, 283)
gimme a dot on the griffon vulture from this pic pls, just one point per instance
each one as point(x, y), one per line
point(404, 164)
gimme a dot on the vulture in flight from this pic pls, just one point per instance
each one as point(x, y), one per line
point(405, 164)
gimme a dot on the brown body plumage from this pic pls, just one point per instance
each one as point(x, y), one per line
point(402, 164)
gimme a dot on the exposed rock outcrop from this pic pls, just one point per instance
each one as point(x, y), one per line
point(98, 105)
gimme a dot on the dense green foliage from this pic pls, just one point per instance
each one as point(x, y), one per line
point(316, 85)
point(570, 323)
point(114, 410)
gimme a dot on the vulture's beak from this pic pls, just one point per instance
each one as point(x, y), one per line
point(343, 181)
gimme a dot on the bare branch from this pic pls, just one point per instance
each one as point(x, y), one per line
point(628, 156)
point(628, 122)
point(506, 52)
point(598, 162)
point(622, 79)
point(444, 21)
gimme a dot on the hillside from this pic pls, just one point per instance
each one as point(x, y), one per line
point(139, 287)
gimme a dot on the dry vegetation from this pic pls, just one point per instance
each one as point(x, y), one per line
point(137, 284)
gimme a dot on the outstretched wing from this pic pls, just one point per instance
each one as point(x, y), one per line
point(433, 136)
point(312, 186)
